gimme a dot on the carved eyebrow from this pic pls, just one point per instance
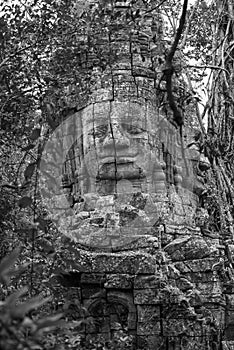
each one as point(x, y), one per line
point(94, 121)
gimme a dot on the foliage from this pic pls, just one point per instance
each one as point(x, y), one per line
point(18, 330)
point(40, 67)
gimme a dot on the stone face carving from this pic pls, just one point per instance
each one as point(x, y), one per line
point(134, 226)
point(118, 146)
point(126, 175)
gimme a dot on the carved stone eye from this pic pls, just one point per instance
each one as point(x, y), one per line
point(132, 129)
point(99, 131)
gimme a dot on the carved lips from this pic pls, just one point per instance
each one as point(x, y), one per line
point(119, 168)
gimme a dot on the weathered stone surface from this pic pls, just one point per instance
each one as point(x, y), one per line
point(129, 204)
point(218, 299)
point(150, 342)
point(199, 277)
point(147, 296)
point(188, 343)
point(182, 230)
point(176, 327)
point(130, 263)
point(210, 288)
point(148, 328)
point(148, 313)
point(189, 248)
point(198, 265)
point(184, 284)
point(119, 281)
point(91, 279)
point(153, 281)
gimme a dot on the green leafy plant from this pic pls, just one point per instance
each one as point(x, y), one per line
point(19, 328)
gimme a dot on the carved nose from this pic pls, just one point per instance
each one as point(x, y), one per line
point(116, 138)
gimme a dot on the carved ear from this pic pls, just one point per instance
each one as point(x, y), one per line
point(191, 144)
point(66, 181)
point(197, 135)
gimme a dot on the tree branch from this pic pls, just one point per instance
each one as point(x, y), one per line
point(156, 7)
point(208, 67)
point(169, 69)
point(178, 33)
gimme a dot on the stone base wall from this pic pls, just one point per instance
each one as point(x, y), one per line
point(177, 296)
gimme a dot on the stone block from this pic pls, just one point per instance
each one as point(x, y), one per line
point(182, 230)
point(188, 248)
point(199, 277)
point(118, 281)
point(148, 281)
point(212, 287)
point(92, 279)
point(147, 296)
point(218, 299)
point(183, 342)
point(125, 263)
point(148, 313)
point(176, 327)
point(178, 311)
point(197, 265)
point(150, 342)
point(143, 241)
point(148, 328)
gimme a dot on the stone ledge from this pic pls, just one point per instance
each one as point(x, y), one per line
point(124, 263)
point(196, 265)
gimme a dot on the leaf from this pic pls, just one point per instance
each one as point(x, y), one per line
point(7, 263)
point(48, 323)
point(42, 224)
point(19, 311)
point(35, 134)
point(29, 171)
point(46, 245)
point(17, 272)
point(13, 187)
point(28, 147)
point(12, 299)
point(25, 202)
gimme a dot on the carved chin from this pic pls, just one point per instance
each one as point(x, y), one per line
point(112, 171)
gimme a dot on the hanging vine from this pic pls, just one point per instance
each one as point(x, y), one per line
point(219, 141)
